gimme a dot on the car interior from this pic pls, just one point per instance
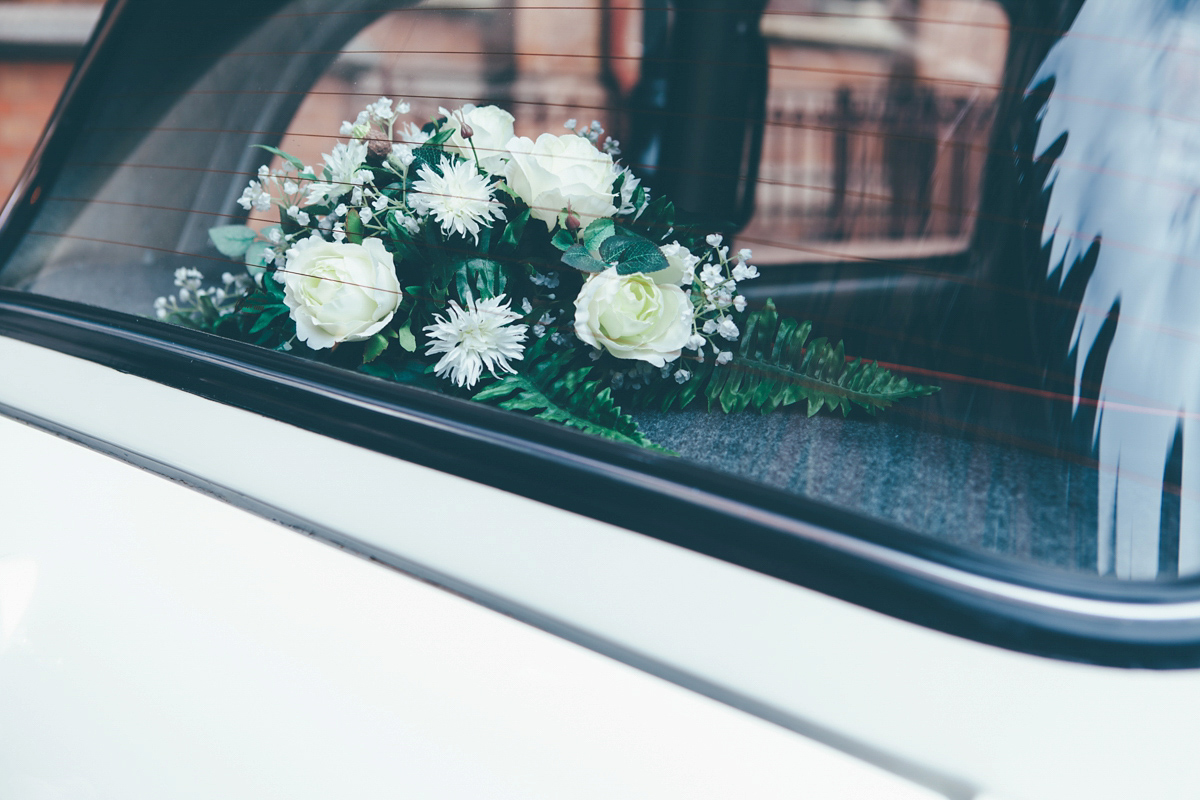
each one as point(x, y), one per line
point(919, 180)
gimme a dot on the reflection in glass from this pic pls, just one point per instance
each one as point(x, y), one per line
point(998, 198)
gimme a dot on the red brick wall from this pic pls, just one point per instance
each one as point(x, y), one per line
point(28, 92)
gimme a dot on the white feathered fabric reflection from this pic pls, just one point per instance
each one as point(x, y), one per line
point(1127, 177)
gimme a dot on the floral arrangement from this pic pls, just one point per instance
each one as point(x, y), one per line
point(537, 275)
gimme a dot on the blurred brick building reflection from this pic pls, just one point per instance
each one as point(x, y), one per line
point(878, 111)
point(39, 41)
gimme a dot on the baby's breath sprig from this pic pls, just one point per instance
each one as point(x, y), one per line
point(714, 292)
point(198, 306)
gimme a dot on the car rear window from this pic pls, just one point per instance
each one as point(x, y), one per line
point(995, 204)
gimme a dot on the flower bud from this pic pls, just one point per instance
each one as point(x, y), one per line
point(379, 147)
point(464, 129)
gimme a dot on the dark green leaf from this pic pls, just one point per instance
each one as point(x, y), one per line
point(633, 254)
point(268, 315)
point(658, 218)
point(381, 176)
point(274, 289)
point(563, 239)
point(479, 277)
point(618, 183)
point(551, 388)
point(514, 230)
point(775, 365)
point(288, 224)
point(639, 196)
point(375, 345)
point(596, 233)
point(426, 155)
point(401, 244)
point(354, 227)
point(409, 371)
point(579, 258)
point(441, 137)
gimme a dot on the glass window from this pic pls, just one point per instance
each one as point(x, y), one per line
point(989, 199)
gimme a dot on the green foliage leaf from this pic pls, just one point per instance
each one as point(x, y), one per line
point(375, 346)
point(479, 277)
point(579, 258)
point(658, 218)
point(441, 137)
point(405, 338)
point(775, 365)
point(632, 254)
point(595, 234)
point(232, 240)
point(427, 155)
point(431, 153)
point(563, 239)
point(485, 239)
point(381, 176)
point(515, 230)
point(274, 289)
point(550, 387)
point(267, 316)
point(401, 243)
point(288, 157)
point(256, 255)
point(288, 224)
point(354, 227)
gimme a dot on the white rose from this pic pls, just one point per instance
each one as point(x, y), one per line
point(492, 127)
point(559, 172)
point(681, 263)
point(633, 316)
point(339, 292)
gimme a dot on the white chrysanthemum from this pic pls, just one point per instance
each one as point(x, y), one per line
point(628, 187)
point(460, 199)
point(476, 337)
point(412, 134)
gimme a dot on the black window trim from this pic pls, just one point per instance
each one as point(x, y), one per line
point(873, 564)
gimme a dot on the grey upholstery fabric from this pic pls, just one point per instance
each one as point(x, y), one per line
point(982, 495)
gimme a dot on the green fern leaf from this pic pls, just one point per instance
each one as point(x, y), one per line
point(549, 387)
point(775, 365)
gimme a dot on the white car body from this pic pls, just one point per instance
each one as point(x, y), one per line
point(203, 593)
point(159, 642)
